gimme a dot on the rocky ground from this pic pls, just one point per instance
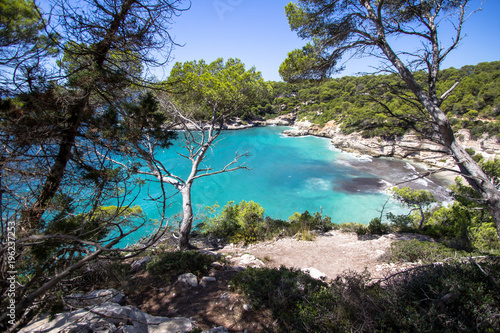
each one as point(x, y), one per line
point(214, 304)
point(210, 303)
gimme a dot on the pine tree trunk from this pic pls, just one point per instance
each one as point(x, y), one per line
point(469, 168)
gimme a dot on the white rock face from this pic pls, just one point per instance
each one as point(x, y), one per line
point(295, 132)
point(284, 120)
point(408, 146)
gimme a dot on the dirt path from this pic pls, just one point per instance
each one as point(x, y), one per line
point(331, 254)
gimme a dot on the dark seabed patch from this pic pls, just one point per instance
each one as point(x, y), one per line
point(395, 172)
point(359, 185)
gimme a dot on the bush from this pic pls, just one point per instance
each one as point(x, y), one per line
point(358, 228)
point(401, 223)
point(279, 290)
point(484, 238)
point(172, 264)
point(303, 225)
point(376, 227)
point(454, 297)
point(427, 252)
point(346, 305)
point(245, 222)
point(460, 296)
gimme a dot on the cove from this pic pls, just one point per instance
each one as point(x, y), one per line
point(287, 175)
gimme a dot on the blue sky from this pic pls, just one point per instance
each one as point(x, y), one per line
point(257, 32)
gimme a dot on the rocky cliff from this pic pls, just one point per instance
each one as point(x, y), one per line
point(409, 146)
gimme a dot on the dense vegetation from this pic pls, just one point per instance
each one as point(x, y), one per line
point(245, 222)
point(461, 296)
point(356, 102)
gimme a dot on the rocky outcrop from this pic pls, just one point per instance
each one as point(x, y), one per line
point(100, 312)
point(485, 145)
point(189, 278)
point(284, 120)
point(93, 298)
point(408, 146)
point(109, 317)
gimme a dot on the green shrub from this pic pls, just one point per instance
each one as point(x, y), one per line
point(454, 297)
point(245, 222)
point(484, 237)
point(279, 290)
point(347, 304)
point(306, 222)
point(358, 228)
point(459, 296)
point(172, 264)
point(401, 223)
point(376, 227)
point(427, 252)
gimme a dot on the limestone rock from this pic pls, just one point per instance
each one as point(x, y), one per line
point(314, 273)
point(97, 297)
point(109, 318)
point(284, 120)
point(189, 279)
point(295, 132)
point(207, 279)
point(140, 264)
point(248, 260)
point(164, 324)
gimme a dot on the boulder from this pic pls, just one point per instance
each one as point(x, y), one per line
point(207, 279)
point(140, 264)
point(164, 324)
point(189, 279)
point(314, 273)
point(248, 260)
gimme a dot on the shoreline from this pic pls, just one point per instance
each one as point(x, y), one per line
point(419, 175)
point(408, 147)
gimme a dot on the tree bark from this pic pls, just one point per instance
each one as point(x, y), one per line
point(56, 174)
point(187, 218)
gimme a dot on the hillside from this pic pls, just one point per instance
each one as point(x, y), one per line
point(371, 105)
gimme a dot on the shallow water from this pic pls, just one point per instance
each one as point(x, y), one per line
point(291, 175)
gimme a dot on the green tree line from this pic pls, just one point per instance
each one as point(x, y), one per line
point(354, 102)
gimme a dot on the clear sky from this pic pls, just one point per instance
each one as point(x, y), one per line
point(257, 32)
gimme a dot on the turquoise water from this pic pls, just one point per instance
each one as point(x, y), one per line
point(287, 175)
